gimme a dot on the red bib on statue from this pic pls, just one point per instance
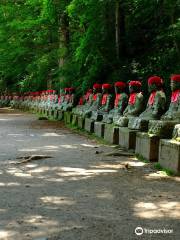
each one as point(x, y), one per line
point(175, 96)
point(118, 96)
point(132, 98)
point(95, 97)
point(152, 98)
point(104, 99)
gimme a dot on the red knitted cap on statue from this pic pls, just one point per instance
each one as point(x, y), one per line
point(155, 80)
point(120, 84)
point(106, 86)
point(135, 83)
point(89, 90)
point(71, 89)
point(97, 86)
point(175, 77)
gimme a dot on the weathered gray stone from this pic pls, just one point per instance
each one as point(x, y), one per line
point(111, 134)
point(67, 117)
point(147, 146)
point(60, 115)
point(127, 138)
point(75, 120)
point(89, 125)
point(136, 123)
point(162, 129)
point(81, 122)
point(99, 129)
point(55, 114)
point(51, 113)
point(169, 154)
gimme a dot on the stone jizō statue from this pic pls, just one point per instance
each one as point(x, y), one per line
point(135, 104)
point(96, 100)
point(173, 112)
point(106, 103)
point(120, 103)
point(157, 101)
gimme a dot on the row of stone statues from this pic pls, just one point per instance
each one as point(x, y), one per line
point(99, 103)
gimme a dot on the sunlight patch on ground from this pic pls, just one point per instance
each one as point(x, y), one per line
point(10, 184)
point(89, 145)
point(4, 119)
point(68, 171)
point(15, 134)
point(105, 195)
point(156, 210)
point(2, 210)
point(52, 135)
point(69, 146)
point(18, 173)
point(5, 235)
point(156, 175)
point(57, 200)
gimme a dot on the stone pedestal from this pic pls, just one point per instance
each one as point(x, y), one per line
point(162, 129)
point(46, 113)
point(147, 146)
point(60, 115)
point(74, 120)
point(111, 134)
point(169, 154)
point(127, 138)
point(136, 123)
point(81, 122)
point(67, 117)
point(55, 114)
point(51, 113)
point(89, 125)
point(99, 129)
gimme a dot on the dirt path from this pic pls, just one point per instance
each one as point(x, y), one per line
point(77, 194)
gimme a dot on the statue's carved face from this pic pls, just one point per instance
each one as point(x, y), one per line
point(118, 90)
point(104, 90)
point(152, 88)
point(175, 85)
point(134, 89)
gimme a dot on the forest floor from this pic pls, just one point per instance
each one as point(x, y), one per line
point(80, 192)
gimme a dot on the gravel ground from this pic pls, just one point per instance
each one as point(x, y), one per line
point(80, 193)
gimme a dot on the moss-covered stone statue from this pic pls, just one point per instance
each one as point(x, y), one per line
point(135, 104)
point(84, 104)
point(120, 103)
point(173, 112)
point(164, 127)
point(155, 107)
point(157, 101)
point(71, 100)
point(96, 100)
point(106, 103)
point(64, 100)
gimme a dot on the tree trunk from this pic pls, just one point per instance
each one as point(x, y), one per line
point(64, 41)
point(120, 30)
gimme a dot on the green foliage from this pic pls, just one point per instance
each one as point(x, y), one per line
point(73, 42)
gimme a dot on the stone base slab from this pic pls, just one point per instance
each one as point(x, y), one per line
point(147, 146)
point(111, 134)
point(169, 154)
point(67, 117)
point(127, 138)
point(55, 115)
point(89, 125)
point(99, 129)
point(74, 120)
point(81, 122)
point(60, 115)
